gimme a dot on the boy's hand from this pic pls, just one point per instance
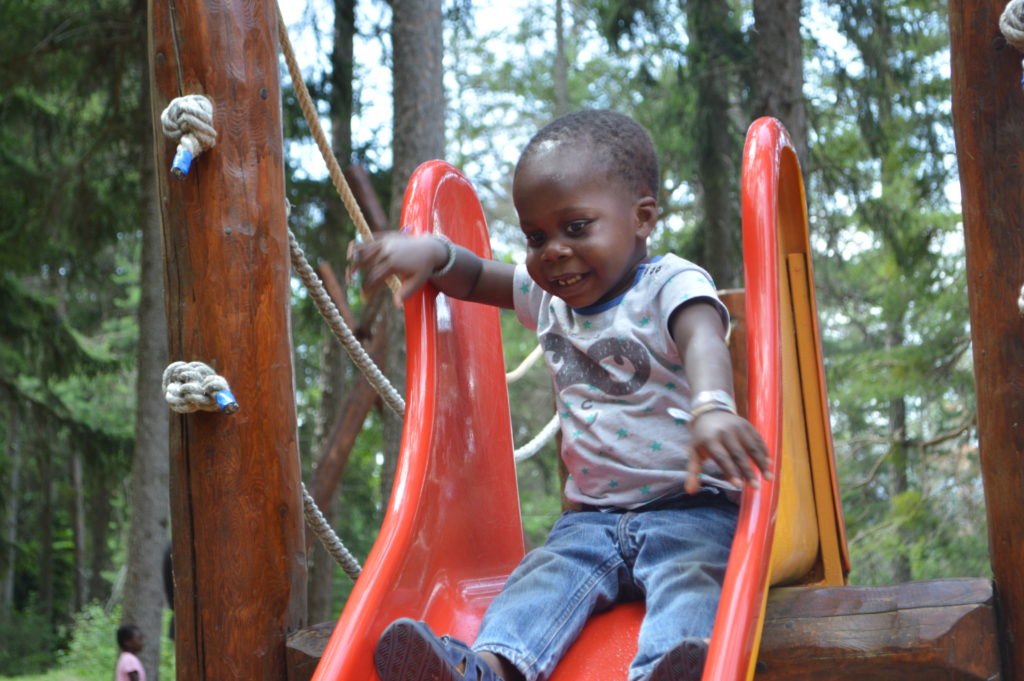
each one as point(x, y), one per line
point(732, 442)
point(411, 258)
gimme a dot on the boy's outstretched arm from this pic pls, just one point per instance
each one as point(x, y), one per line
point(415, 260)
point(730, 440)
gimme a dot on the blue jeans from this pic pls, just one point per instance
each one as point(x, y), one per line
point(671, 554)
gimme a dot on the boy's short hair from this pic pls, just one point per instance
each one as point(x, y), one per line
point(625, 145)
point(125, 633)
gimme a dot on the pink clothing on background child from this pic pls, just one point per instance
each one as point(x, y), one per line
point(126, 664)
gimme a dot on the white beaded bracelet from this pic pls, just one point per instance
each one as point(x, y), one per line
point(450, 262)
point(711, 400)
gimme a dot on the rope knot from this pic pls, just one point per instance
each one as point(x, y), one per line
point(189, 120)
point(194, 386)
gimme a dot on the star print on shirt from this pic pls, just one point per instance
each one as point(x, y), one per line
point(525, 288)
point(622, 432)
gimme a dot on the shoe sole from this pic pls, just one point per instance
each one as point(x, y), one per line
point(685, 662)
point(405, 654)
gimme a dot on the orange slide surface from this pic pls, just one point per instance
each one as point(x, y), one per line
point(452, 531)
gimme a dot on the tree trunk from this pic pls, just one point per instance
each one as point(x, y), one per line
point(11, 508)
point(899, 484)
point(150, 505)
point(418, 94)
point(779, 68)
point(98, 529)
point(45, 524)
point(78, 593)
point(716, 145)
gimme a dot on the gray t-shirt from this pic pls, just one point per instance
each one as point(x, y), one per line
point(616, 373)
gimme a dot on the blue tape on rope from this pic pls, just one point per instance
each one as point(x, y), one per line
point(226, 402)
point(181, 163)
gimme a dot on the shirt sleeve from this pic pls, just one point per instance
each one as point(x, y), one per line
point(527, 298)
point(688, 285)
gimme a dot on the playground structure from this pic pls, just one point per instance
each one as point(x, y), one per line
point(235, 489)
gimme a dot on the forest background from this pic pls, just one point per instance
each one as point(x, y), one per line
point(862, 85)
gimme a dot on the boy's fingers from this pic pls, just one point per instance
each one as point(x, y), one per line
point(693, 468)
point(738, 456)
point(726, 463)
point(756, 449)
point(409, 286)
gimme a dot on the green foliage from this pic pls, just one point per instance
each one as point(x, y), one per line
point(890, 276)
point(28, 642)
point(71, 75)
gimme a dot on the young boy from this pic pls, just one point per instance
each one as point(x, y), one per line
point(129, 668)
point(655, 451)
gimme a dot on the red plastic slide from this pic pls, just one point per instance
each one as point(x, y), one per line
point(452, 531)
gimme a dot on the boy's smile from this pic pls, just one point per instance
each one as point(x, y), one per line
point(586, 232)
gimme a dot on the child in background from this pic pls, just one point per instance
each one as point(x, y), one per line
point(129, 640)
point(655, 450)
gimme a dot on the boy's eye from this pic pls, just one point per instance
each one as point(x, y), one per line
point(576, 227)
point(534, 239)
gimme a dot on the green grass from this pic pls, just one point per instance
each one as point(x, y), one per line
point(92, 652)
point(57, 675)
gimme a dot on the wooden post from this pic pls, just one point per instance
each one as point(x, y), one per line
point(988, 115)
point(235, 488)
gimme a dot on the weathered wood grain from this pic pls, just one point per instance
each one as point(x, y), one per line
point(235, 488)
point(988, 116)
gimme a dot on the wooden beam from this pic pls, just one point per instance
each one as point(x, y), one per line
point(988, 117)
point(235, 489)
point(939, 630)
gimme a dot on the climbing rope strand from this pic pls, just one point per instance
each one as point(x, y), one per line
point(541, 439)
point(318, 523)
point(341, 331)
point(524, 366)
point(313, 121)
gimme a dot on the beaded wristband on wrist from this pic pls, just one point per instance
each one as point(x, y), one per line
point(450, 262)
point(711, 400)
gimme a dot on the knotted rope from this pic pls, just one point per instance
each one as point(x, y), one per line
point(194, 386)
point(189, 120)
point(1011, 23)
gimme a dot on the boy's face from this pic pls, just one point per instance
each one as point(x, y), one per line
point(135, 643)
point(585, 231)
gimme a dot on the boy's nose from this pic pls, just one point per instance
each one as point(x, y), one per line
point(556, 249)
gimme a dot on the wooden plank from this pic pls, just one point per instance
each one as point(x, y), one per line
point(236, 505)
point(939, 630)
point(988, 115)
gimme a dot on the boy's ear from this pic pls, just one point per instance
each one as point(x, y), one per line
point(647, 214)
